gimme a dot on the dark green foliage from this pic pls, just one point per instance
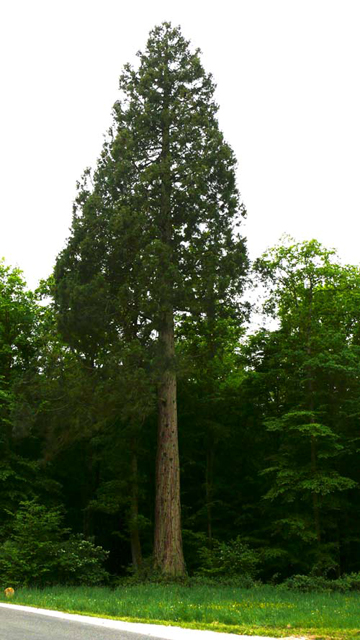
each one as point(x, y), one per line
point(80, 562)
point(17, 323)
point(19, 316)
point(20, 474)
point(268, 423)
point(250, 411)
point(229, 559)
point(309, 371)
point(120, 267)
point(306, 584)
point(154, 241)
point(38, 551)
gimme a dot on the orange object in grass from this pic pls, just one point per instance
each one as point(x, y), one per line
point(9, 592)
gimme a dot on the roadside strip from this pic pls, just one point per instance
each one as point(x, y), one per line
point(151, 630)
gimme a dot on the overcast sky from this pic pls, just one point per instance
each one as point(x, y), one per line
point(287, 74)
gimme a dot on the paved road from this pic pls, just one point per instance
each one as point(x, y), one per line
point(27, 623)
point(20, 625)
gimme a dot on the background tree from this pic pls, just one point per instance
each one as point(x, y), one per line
point(90, 412)
point(39, 551)
point(312, 366)
point(211, 375)
point(19, 319)
point(72, 426)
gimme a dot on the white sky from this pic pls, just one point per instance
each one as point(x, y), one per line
point(289, 92)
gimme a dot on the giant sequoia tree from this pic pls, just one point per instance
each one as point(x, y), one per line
point(154, 239)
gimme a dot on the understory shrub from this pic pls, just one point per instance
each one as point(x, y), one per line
point(39, 551)
point(349, 582)
point(229, 560)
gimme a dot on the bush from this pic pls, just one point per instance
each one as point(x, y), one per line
point(229, 560)
point(80, 562)
point(40, 552)
point(349, 582)
point(305, 584)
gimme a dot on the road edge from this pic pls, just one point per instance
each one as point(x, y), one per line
point(152, 630)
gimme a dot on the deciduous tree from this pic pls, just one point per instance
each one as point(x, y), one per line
point(312, 366)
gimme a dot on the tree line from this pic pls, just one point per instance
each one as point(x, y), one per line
point(138, 348)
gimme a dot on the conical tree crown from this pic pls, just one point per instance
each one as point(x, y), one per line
point(156, 224)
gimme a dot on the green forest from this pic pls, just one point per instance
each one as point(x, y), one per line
point(167, 407)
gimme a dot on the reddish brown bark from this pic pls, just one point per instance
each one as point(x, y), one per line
point(168, 553)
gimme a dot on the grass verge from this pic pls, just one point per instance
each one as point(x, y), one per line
point(260, 611)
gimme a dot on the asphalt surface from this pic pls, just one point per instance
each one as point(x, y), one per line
point(18, 625)
point(28, 623)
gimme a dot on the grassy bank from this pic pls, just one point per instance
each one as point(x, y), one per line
point(262, 611)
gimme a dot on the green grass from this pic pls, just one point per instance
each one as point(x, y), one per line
point(263, 610)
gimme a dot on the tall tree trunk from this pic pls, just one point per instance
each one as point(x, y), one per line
point(134, 512)
point(168, 553)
